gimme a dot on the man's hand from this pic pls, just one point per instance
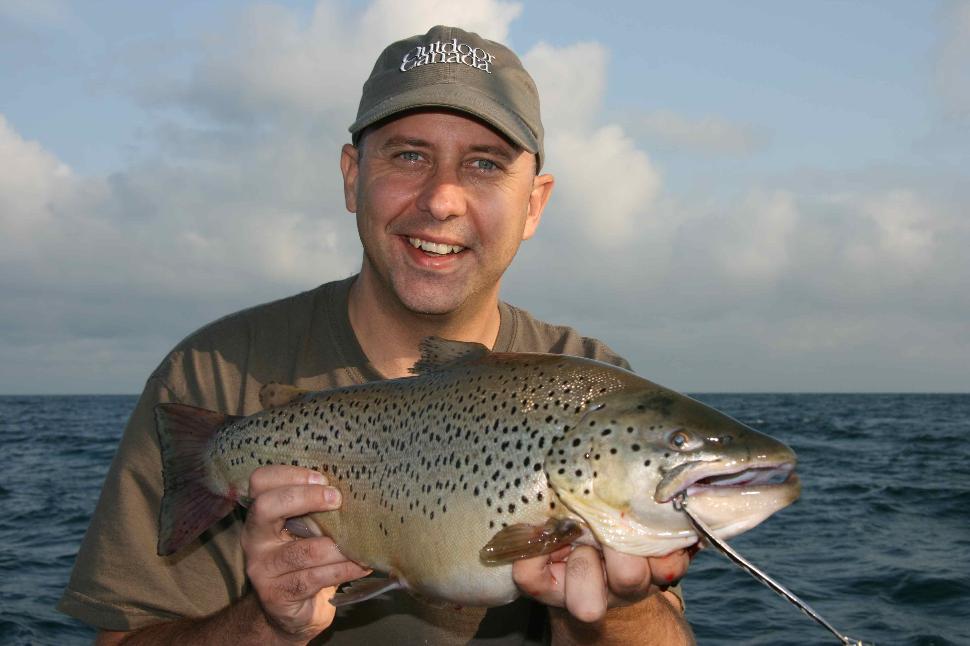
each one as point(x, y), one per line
point(294, 578)
point(586, 582)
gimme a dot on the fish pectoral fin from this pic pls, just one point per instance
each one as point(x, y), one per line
point(523, 541)
point(364, 589)
point(273, 395)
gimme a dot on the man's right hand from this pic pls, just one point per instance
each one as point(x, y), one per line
point(294, 578)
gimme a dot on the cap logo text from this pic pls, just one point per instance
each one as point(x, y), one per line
point(449, 51)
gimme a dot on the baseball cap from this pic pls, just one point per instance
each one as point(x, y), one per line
point(458, 70)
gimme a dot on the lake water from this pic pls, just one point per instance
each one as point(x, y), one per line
point(879, 542)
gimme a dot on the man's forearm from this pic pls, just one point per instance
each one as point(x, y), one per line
point(655, 621)
point(241, 623)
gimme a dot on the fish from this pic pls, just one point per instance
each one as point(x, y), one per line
point(478, 459)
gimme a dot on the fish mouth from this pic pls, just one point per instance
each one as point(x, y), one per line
point(709, 477)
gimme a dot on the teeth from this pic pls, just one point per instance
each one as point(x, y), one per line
point(434, 247)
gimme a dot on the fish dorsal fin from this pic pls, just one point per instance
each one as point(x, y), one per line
point(273, 395)
point(438, 353)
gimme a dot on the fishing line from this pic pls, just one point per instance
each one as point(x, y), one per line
point(680, 504)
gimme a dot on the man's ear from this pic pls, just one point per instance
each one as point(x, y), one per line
point(349, 167)
point(541, 190)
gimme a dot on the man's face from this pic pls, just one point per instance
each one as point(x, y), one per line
point(442, 204)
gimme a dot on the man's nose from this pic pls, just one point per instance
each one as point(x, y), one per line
point(443, 195)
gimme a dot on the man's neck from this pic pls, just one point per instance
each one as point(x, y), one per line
point(389, 334)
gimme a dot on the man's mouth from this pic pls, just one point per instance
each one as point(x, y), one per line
point(435, 248)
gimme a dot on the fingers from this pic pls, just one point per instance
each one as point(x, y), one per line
point(632, 578)
point(668, 570)
point(586, 593)
point(271, 508)
point(294, 574)
point(573, 579)
point(629, 576)
point(586, 582)
point(301, 568)
point(279, 475)
point(543, 577)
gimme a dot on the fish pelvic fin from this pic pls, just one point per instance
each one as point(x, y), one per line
point(364, 589)
point(523, 541)
point(438, 353)
point(189, 506)
point(273, 395)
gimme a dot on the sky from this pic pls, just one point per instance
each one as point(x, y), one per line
point(753, 196)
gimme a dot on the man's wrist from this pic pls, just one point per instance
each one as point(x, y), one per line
point(652, 621)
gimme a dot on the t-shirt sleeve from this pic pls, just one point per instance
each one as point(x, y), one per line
point(118, 581)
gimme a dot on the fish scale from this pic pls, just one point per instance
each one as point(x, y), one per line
point(434, 468)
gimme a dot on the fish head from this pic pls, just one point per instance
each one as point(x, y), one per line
point(632, 453)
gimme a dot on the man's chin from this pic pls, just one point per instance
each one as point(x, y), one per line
point(433, 303)
point(436, 309)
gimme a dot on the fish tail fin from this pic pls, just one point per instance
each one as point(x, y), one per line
point(189, 505)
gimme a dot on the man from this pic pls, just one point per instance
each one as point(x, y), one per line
point(443, 178)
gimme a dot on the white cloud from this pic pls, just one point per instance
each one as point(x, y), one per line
point(571, 82)
point(599, 201)
point(389, 20)
point(605, 184)
point(245, 205)
point(747, 244)
point(275, 61)
point(777, 286)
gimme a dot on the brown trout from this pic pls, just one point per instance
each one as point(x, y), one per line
point(479, 459)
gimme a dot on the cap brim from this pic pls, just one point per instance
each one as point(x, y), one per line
point(453, 96)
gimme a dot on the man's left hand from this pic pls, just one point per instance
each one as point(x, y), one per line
point(586, 581)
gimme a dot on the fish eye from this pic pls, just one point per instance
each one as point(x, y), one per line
point(681, 441)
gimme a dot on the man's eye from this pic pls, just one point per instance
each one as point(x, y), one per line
point(485, 164)
point(410, 156)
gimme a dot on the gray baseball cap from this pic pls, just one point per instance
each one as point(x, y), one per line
point(457, 70)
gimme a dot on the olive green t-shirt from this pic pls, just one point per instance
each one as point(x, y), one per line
point(119, 582)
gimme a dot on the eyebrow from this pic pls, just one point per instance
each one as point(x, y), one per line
point(394, 142)
point(502, 152)
point(499, 151)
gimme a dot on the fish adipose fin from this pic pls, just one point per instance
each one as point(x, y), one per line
point(364, 589)
point(438, 353)
point(273, 395)
point(523, 541)
point(189, 507)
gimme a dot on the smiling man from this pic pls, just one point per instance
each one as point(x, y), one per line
point(444, 178)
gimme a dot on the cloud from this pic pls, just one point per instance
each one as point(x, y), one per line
point(276, 62)
point(710, 135)
point(140, 258)
point(236, 199)
point(584, 155)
